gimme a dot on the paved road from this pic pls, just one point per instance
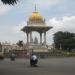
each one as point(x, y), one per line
point(52, 66)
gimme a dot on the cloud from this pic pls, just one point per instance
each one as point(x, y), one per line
point(13, 33)
point(56, 24)
point(17, 28)
point(67, 23)
point(46, 3)
point(4, 8)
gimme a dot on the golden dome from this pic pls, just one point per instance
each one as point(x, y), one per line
point(36, 16)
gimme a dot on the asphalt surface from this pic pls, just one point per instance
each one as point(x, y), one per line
point(51, 66)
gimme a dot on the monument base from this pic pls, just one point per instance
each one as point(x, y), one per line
point(40, 50)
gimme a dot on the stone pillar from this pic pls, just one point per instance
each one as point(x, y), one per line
point(30, 37)
point(41, 38)
point(44, 38)
point(27, 38)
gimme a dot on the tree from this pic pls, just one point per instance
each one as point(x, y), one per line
point(64, 39)
point(10, 2)
point(20, 43)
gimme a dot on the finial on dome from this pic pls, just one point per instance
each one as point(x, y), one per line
point(35, 8)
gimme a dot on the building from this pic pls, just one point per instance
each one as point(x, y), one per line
point(36, 23)
point(6, 49)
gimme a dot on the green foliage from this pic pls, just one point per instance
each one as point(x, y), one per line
point(10, 2)
point(65, 39)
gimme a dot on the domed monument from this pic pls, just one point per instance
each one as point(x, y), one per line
point(36, 23)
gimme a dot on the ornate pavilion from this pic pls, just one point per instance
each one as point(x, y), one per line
point(36, 23)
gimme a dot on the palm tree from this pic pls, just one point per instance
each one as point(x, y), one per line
point(10, 2)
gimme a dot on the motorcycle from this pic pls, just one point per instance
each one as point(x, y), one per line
point(33, 63)
point(12, 57)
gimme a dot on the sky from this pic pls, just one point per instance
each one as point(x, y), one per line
point(60, 14)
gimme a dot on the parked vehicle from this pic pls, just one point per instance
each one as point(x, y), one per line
point(12, 57)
